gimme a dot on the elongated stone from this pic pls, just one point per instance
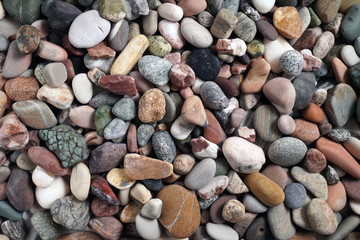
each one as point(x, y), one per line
point(133, 51)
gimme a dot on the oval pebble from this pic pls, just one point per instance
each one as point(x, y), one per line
point(218, 231)
point(287, 151)
point(82, 87)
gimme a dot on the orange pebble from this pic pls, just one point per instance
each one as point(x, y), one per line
point(313, 113)
point(287, 22)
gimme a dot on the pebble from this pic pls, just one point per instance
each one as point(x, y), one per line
point(42, 178)
point(71, 213)
point(323, 44)
point(345, 227)
point(47, 196)
point(339, 134)
point(331, 175)
point(350, 20)
point(137, 167)
point(265, 189)
point(61, 97)
point(291, 62)
point(253, 204)
point(106, 156)
point(264, 120)
point(14, 230)
point(205, 65)
point(279, 151)
point(195, 34)
point(327, 10)
point(155, 69)
point(216, 186)
point(201, 174)
point(280, 224)
point(164, 147)
point(245, 28)
point(144, 133)
point(276, 174)
point(304, 86)
point(124, 109)
point(315, 160)
point(290, 25)
point(52, 52)
point(101, 189)
point(55, 74)
point(258, 229)
point(13, 133)
point(7, 211)
point(217, 207)
point(178, 204)
point(83, 116)
point(281, 93)
point(151, 106)
point(349, 56)
point(286, 124)
point(274, 50)
point(80, 181)
point(218, 231)
point(171, 31)
point(23, 12)
point(106, 227)
point(45, 226)
point(147, 228)
point(321, 217)
point(15, 63)
point(336, 196)
point(223, 24)
point(170, 12)
point(295, 195)
point(101, 208)
point(27, 39)
point(152, 209)
point(118, 84)
point(19, 191)
point(5, 173)
point(246, 157)
point(314, 182)
point(129, 213)
point(213, 97)
point(116, 129)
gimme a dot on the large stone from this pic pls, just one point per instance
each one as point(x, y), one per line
point(25, 12)
point(321, 217)
point(280, 223)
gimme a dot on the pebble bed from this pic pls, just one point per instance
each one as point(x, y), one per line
point(186, 119)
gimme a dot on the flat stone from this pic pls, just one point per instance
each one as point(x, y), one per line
point(286, 124)
point(195, 34)
point(321, 217)
point(80, 181)
point(287, 22)
point(201, 174)
point(15, 63)
point(106, 227)
point(13, 133)
point(216, 231)
point(345, 228)
point(116, 129)
point(276, 174)
point(193, 111)
point(101, 189)
point(163, 146)
point(295, 195)
point(315, 160)
point(280, 224)
point(327, 10)
point(14, 230)
point(52, 52)
point(119, 84)
point(314, 182)
point(265, 119)
point(253, 204)
point(61, 97)
point(137, 167)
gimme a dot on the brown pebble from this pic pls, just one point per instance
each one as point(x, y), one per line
point(306, 131)
point(152, 106)
point(183, 163)
point(107, 227)
point(315, 160)
point(13, 133)
point(101, 51)
point(233, 211)
point(132, 139)
point(101, 208)
point(287, 22)
point(22, 88)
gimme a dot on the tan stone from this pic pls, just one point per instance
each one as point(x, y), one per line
point(152, 106)
point(288, 22)
point(140, 194)
point(256, 78)
point(61, 97)
point(118, 179)
point(193, 111)
point(129, 213)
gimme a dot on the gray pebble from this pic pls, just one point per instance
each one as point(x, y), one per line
point(213, 97)
point(206, 19)
point(125, 109)
point(144, 133)
point(39, 73)
point(252, 204)
point(287, 151)
point(170, 106)
point(249, 10)
point(295, 195)
point(102, 64)
point(45, 226)
point(331, 175)
point(291, 62)
point(104, 98)
point(339, 134)
point(4, 43)
point(206, 203)
point(164, 147)
point(14, 229)
point(115, 129)
point(201, 174)
point(155, 69)
point(304, 86)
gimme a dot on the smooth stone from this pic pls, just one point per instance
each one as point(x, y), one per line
point(45, 226)
point(148, 228)
point(24, 163)
point(345, 227)
point(265, 189)
point(131, 54)
point(253, 204)
point(118, 179)
point(205, 64)
point(334, 100)
point(42, 178)
point(129, 213)
point(19, 191)
point(116, 129)
point(206, 19)
point(245, 28)
point(7, 211)
point(80, 181)
point(321, 217)
point(299, 216)
point(118, 36)
point(42, 157)
point(286, 124)
point(323, 44)
point(276, 174)
point(155, 69)
point(106, 156)
point(152, 209)
point(258, 229)
point(274, 50)
point(216, 186)
point(180, 207)
point(106, 227)
point(149, 23)
point(349, 56)
point(331, 175)
point(21, 88)
point(216, 208)
point(170, 12)
point(102, 118)
point(52, 52)
point(71, 213)
point(60, 14)
point(327, 10)
point(98, 28)
point(243, 156)
point(287, 22)
point(349, 23)
point(354, 206)
point(314, 182)
point(61, 97)
point(4, 43)
point(223, 24)
point(195, 34)
point(278, 151)
point(201, 174)
point(352, 146)
point(263, 7)
point(164, 146)
point(264, 120)
point(291, 62)
point(281, 94)
point(250, 11)
point(171, 31)
point(336, 196)
point(82, 87)
point(350, 187)
point(83, 116)
point(315, 160)
point(25, 12)
point(183, 164)
point(256, 78)
point(144, 133)
point(104, 98)
point(295, 195)
point(14, 229)
point(218, 231)
point(67, 144)
point(47, 196)
point(339, 134)
point(267, 30)
point(304, 86)
point(101, 208)
point(213, 97)
point(5, 173)
point(102, 64)
point(280, 223)
point(124, 109)
point(80, 235)
point(15, 63)
point(35, 114)
point(192, 8)
point(140, 167)
point(114, 11)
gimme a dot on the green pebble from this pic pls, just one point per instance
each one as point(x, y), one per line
point(350, 24)
point(222, 166)
point(45, 226)
point(314, 19)
point(112, 10)
point(24, 11)
point(102, 118)
point(322, 71)
point(154, 4)
point(355, 74)
point(255, 48)
point(158, 46)
point(7, 211)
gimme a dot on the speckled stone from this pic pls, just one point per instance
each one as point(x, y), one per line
point(339, 134)
point(331, 175)
point(155, 69)
point(287, 151)
point(68, 145)
point(152, 106)
point(245, 28)
point(295, 195)
point(102, 118)
point(14, 229)
point(144, 133)
point(291, 62)
point(164, 146)
point(112, 10)
point(280, 223)
point(205, 64)
point(213, 97)
point(45, 226)
point(321, 217)
point(158, 46)
point(71, 213)
point(27, 39)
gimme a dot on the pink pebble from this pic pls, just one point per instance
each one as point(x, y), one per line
point(186, 92)
point(286, 124)
point(43, 26)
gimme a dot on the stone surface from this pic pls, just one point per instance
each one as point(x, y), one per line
point(106, 227)
point(315, 160)
point(280, 224)
point(256, 78)
point(287, 151)
point(295, 195)
point(265, 119)
point(15, 63)
point(148, 228)
point(13, 133)
point(61, 97)
point(336, 196)
point(205, 64)
point(47, 196)
point(327, 10)
point(321, 217)
point(193, 111)
point(19, 191)
point(101, 189)
point(22, 88)
point(201, 174)
point(265, 189)
point(163, 146)
point(180, 214)
point(155, 69)
point(195, 34)
point(45, 226)
point(80, 181)
point(151, 106)
point(287, 22)
point(314, 182)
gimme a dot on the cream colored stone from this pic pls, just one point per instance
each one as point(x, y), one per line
point(42, 178)
point(140, 194)
point(80, 181)
point(117, 178)
point(274, 50)
point(130, 55)
point(61, 97)
point(23, 162)
point(47, 196)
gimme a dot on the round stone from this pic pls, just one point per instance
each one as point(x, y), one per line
point(195, 34)
point(42, 178)
point(315, 160)
point(233, 211)
point(295, 195)
point(201, 174)
point(213, 97)
point(152, 106)
point(287, 151)
point(155, 69)
point(152, 209)
point(47, 196)
point(321, 217)
point(291, 62)
point(82, 88)
point(218, 231)
point(80, 181)
point(205, 64)
point(164, 147)
point(27, 39)
point(286, 124)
